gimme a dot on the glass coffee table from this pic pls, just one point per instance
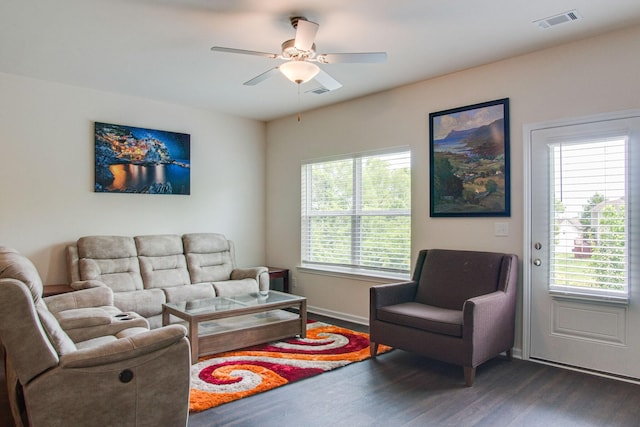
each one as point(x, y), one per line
point(232, 322)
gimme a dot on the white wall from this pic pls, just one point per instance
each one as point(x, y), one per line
point(46, 173)
point(587, 77)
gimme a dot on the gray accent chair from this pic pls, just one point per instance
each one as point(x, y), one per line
point(106, 369)
point(458, 308)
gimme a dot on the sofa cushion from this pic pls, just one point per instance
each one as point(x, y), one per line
point(110, 259)
point(147, 302)
point(155, 321)
point(209, 267)
point(190, 292)
point(120, 274)
point(106, 247)
point(425, 317)
point(477, 273)
point(95, 342)
point(203, 243)
point(235, 287)
point(158, 245)
point(209, 257)
point(164, 271)
point(162, 261)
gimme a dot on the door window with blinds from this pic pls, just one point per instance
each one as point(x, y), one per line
point(589, 218)
point(356, 213)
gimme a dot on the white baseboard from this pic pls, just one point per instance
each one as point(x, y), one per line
point(338, 315)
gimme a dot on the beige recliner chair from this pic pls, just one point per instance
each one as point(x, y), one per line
point(115, 372)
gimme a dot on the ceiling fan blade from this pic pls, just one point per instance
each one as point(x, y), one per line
point(327, 81)
point(261, 77)
point(363, 57)
point(244, 52)
point(305, 34)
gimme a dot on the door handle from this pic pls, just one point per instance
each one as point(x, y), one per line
point(537, 262)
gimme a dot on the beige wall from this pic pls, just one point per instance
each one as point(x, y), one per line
point(587, 77)
point(46, 173)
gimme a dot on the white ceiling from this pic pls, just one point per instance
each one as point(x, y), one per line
point(159, 49)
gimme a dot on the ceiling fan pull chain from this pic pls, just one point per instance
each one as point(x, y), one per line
point(299, 115)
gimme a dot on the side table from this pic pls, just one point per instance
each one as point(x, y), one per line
point(49, 290)
point(280, 273)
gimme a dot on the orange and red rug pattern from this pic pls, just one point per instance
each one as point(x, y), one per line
point(233, 375)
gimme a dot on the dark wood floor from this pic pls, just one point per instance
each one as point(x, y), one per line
point(403, 389)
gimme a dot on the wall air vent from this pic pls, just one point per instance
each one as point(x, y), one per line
point(562, 18)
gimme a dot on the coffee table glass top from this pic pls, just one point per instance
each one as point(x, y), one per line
point(232, 303)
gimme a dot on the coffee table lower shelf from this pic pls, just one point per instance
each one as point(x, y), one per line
point(240, 338)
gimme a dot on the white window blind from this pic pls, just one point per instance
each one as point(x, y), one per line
point(589, 218)
point(356, 212)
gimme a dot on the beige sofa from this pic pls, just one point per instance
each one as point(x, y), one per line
point(146, 271)
point(75, 359)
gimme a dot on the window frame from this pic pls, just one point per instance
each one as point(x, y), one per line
point(592, 293)
point(355, 268)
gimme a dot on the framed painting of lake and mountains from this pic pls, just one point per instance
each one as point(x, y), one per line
point(138, 160)
point(469, 161)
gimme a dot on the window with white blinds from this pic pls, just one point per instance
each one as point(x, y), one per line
point(356, 213)
point(589, 217)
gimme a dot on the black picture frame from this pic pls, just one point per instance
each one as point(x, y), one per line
point(469, 173)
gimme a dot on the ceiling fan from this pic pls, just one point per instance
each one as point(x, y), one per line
point(300, 56)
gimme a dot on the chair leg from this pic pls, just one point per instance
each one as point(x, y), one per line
point(509, 355)
point(373, 348)
point(469, 375)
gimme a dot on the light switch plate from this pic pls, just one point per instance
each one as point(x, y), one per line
point(501, 229)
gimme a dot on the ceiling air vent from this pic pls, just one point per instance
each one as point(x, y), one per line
point(319, 91)
point(562, 18)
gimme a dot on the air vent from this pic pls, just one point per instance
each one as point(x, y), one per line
point(562, 18)
point(319, 91)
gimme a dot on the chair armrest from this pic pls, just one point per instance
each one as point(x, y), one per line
point(489, 320)
point(85, 298)
point(484, 309)
point(392, 293)
point(125, 348)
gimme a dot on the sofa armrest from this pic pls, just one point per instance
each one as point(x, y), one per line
point(248, 273)
point(86, 284)
point(259, 274)
point(125, 348)
point(92, 297)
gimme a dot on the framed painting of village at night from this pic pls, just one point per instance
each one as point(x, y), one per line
point(138, 160)
point(469, 161)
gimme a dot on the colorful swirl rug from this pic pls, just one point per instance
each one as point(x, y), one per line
point(230, 376)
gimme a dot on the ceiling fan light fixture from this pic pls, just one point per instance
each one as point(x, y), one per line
point(299, 71)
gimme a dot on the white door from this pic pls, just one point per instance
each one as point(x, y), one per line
point(583, 248)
